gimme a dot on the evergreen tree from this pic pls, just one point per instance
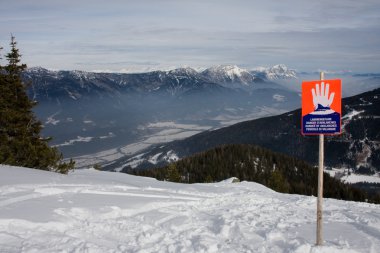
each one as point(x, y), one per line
point(278, 183)
point(20, 141)
point(172, 173)
point(208, 179)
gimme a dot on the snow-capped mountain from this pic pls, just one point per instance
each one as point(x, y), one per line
point(229, 76)
point(277, 72)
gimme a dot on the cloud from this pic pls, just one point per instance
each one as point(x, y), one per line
point(88, 35)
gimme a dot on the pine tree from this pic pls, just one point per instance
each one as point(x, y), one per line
point(20, 141)
point(172, 173)
point(277, 182)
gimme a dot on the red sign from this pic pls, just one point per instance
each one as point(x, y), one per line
point(321, 107)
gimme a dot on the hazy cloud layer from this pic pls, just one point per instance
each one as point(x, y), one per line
point(143, 35)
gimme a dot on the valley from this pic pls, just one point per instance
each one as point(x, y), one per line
point(90, 114)
point(119, 120)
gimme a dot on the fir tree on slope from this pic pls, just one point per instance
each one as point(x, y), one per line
point(20, 140)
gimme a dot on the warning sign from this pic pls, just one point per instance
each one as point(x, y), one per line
point(321, 107)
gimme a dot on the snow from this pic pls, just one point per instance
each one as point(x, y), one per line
point(352, 178)
point(135, 161)
point(78, 139)
point(174, 125)
point(357, 178)
point(279, 71)
point(132, 162)
point(93, 211)
point(279, 98)
point(52, 120)
point(110, 135)
point(159, 132)
point(109, 155)
point(154, 159)
point(255, 113)
point(351, 114)
point(231, 72)
point(171, 156)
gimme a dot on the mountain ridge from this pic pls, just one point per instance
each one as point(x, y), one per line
point(77, 84)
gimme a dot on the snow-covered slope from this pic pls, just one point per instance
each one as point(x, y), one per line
point(92, 211)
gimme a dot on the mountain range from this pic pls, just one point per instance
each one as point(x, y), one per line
point(47, 85)
point(88, 112)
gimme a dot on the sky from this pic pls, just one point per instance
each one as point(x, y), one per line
point(138, 36)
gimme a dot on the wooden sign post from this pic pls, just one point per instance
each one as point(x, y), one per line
point(321, 115)
point(320, 184)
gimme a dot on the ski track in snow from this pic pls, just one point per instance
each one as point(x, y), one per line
point(91, 211)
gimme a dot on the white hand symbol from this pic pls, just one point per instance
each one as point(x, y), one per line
point(321, 96)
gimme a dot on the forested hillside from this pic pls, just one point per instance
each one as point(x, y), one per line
point(251, 163)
